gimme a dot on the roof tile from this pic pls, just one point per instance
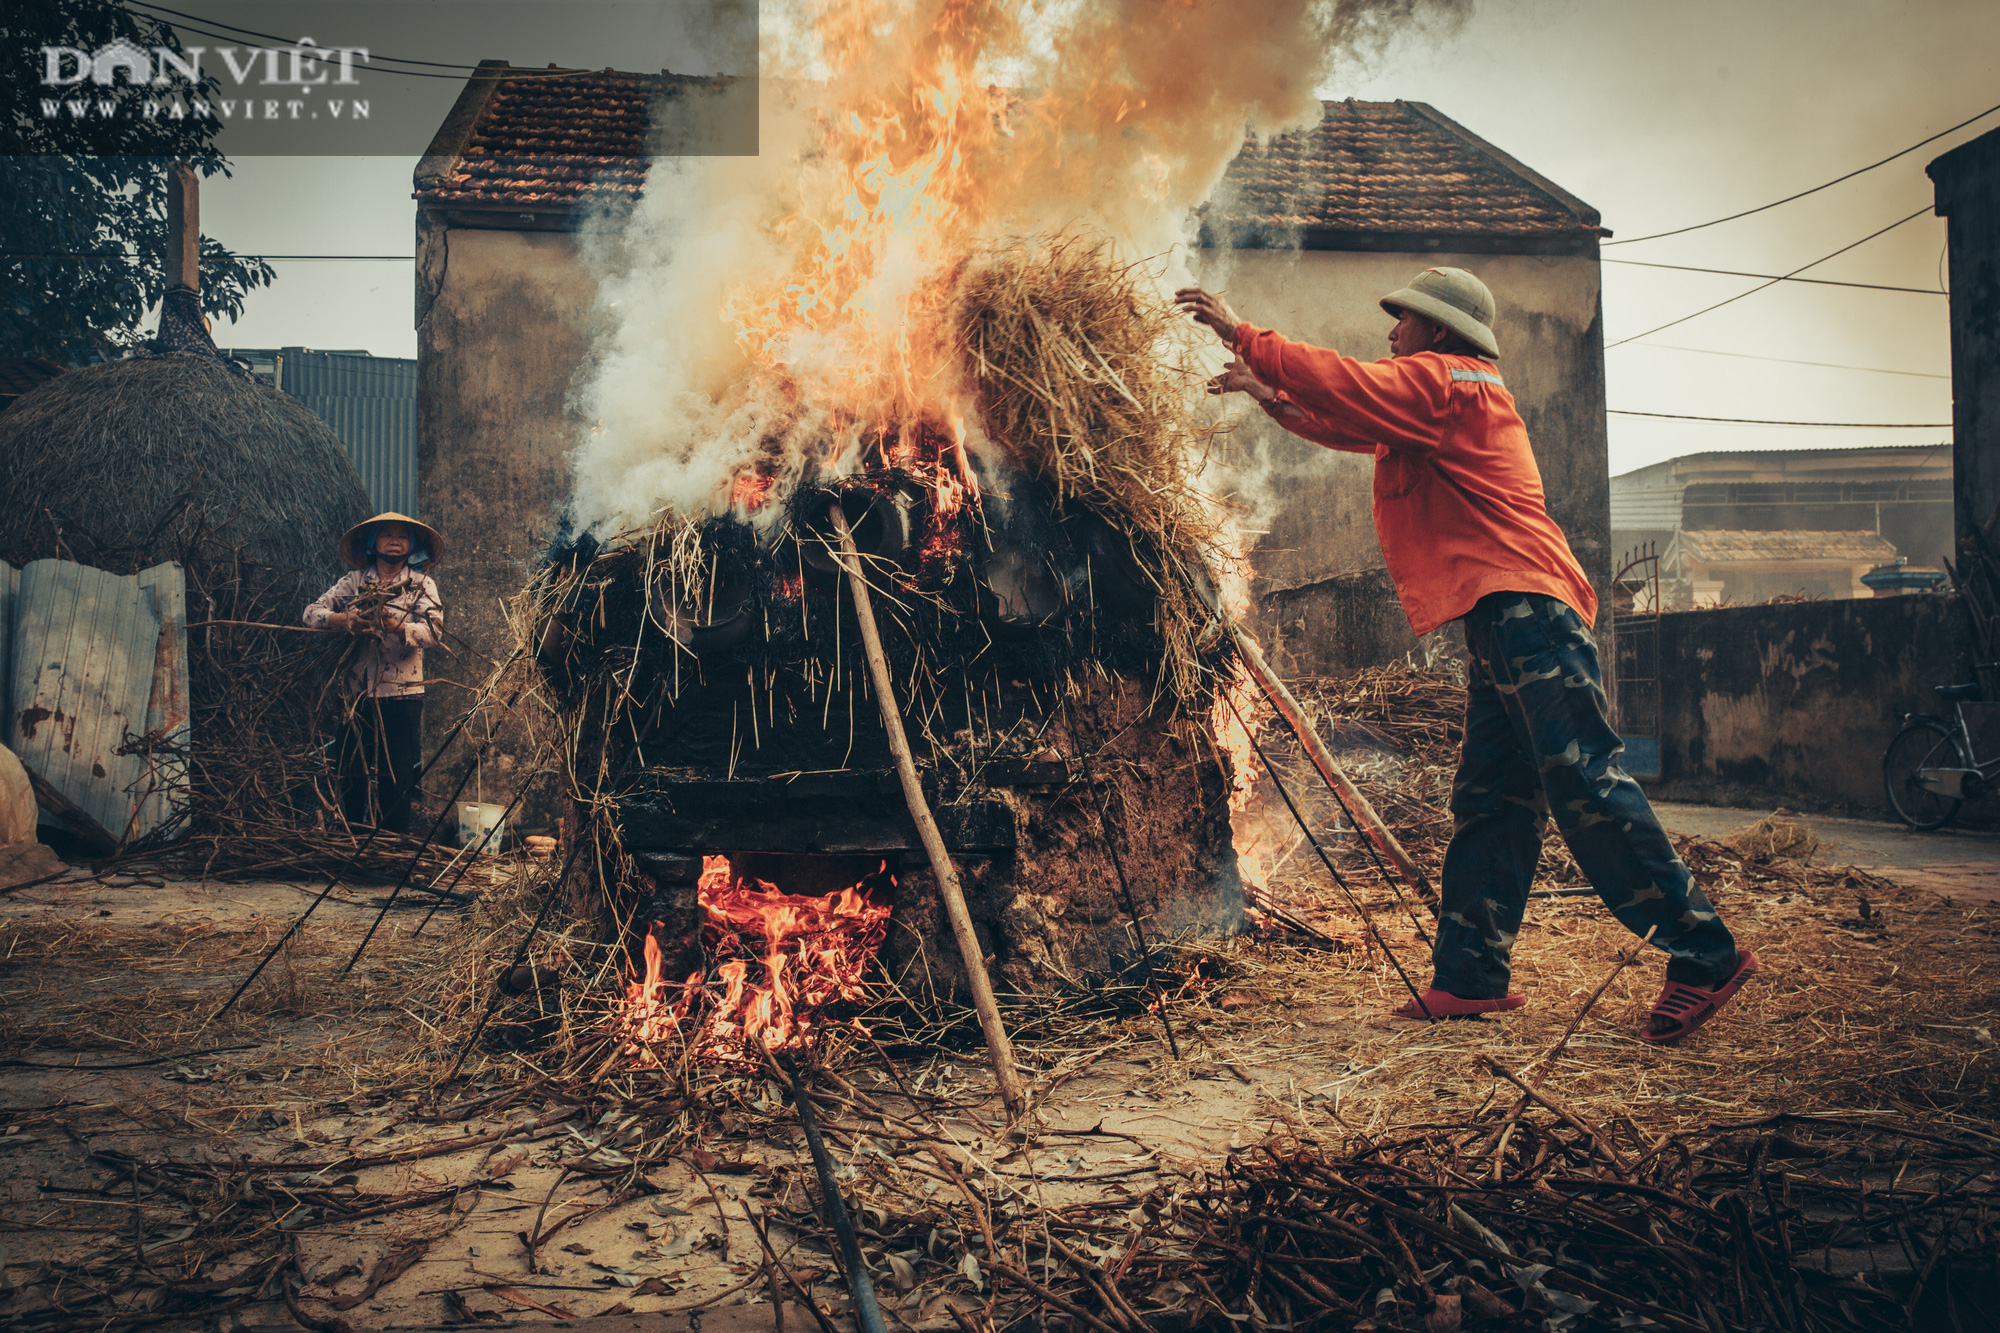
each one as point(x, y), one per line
point(1397, 167)
point(557, 139)
point(1717, 546)
point(570, 139)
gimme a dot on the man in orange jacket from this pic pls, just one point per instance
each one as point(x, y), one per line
point(1466, 536)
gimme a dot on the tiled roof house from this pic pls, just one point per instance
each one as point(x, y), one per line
point(1707, 568)
point(1398, 176)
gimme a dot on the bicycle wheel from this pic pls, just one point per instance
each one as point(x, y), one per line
point(1924, 743)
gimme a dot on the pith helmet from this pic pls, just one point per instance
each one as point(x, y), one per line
point(426, 543)
point(1455, 299)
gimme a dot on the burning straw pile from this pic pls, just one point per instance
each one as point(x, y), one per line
point(1090, 382)
point(724, 644)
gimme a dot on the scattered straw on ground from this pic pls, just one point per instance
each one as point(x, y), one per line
point(1831, 1130)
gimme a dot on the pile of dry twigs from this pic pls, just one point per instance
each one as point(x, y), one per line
point(1785, 1223)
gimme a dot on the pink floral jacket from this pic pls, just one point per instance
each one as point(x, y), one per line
point(392, 666)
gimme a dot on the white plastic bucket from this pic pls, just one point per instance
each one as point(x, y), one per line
point(481, 826)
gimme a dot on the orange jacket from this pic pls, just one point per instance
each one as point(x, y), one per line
point(1458, 499)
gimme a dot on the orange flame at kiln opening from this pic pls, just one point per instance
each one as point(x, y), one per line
point(782, 959)
point(1247, 831)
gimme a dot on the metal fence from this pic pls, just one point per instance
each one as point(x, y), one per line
point(371, 404)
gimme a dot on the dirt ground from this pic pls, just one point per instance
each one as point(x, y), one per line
point(505, 1197)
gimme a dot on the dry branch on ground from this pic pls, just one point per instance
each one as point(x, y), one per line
point(1830, 1131)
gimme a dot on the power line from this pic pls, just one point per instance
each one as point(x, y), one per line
point(1760, 421)
point(272, 37)
point(1772, 283)
point(188, 20)
point(1678, 231)
point(1818, 282)
point(1788, 361)
point(184, 26)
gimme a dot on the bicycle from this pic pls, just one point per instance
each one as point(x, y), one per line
point(1932, 768)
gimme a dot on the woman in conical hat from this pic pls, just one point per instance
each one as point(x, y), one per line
point(389, 599)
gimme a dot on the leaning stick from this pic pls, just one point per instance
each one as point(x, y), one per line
point(1367, 921)
point(997, 1044)
point(1364, 813)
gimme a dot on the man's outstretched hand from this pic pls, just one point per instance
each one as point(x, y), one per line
point(1210, 309)
point(1237, 377)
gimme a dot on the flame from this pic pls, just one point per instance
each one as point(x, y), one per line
point(782, 959)
point(1246, 829)
point(797, 302)
point(749, 488)
point(863, 300)
point(854, 323)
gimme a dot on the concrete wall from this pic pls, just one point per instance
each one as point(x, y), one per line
point(1968, 194)
point(1793, 705)
point(1332, 626)
point(502, 326)
point(1321, 543)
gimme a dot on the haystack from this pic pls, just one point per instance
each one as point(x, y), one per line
point(181, 457)
point(130, 463)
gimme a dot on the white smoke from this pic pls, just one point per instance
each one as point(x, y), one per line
point(1122, 120)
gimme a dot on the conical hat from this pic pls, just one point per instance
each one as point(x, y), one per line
point(1455, 299)
point(354, 546)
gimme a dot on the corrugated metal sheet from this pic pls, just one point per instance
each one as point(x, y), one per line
point(1645, 506)
point(371, 404)
point(85, 676)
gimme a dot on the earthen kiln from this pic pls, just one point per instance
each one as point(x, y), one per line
point(719, 707)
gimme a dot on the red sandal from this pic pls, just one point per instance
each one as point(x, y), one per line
point(1442, 1004)
point(1688, 1007)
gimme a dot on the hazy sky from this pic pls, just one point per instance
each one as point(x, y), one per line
point(1659, 114)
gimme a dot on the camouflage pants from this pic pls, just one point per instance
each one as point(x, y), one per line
point(1537, 743)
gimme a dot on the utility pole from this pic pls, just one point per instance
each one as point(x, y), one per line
point(182, 260)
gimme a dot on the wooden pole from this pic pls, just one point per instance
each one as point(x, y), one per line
point(1364, 813)
point(997, 1044)
point(183, 256)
